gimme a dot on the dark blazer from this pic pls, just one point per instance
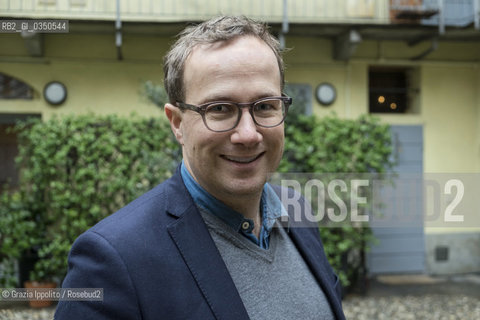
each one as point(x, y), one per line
point(155, 259)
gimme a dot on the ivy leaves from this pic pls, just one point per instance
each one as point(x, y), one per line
point(75, 171)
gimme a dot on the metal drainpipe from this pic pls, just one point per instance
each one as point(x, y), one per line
point(441, 18)
point(118, 33)
point(284, 31)
point(476, 13)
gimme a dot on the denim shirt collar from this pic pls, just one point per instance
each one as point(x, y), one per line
point(270, 205)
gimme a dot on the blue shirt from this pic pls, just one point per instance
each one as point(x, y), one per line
point(271, 209)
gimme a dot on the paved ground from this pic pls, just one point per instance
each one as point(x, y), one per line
point(400, 285)
point(388, 297)
point(417, 297)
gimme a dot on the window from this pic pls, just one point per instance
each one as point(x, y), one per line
point(393, 90)
point(11, 88)
point(302, 98)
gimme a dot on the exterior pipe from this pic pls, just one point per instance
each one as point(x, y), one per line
point(284, 31)
point(118, 33)
point(441, 18)
point(476, 14)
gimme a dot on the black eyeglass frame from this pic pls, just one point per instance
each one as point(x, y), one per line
point(287, 102)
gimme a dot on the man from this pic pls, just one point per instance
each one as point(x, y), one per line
point(214, 241)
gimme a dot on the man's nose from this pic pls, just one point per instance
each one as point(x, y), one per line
point(246, 131)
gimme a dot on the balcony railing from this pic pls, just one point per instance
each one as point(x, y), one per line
point(437, 12)
point(299, 11)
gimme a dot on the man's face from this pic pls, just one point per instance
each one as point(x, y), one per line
point(233, 163)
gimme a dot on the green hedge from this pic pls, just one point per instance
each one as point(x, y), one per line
point(76, 170)
point(331, 144)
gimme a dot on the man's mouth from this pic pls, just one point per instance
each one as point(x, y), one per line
point(243, 159)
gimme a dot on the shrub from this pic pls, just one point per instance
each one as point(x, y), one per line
point(76, 170)
point(17, 235)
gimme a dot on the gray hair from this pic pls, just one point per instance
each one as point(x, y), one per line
point(222, 28)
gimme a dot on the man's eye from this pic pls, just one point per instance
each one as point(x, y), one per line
point(221, 108)
point(221, 111)
point(264, 107)
point(267, 107)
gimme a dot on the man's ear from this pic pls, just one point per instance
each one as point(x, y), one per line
point(175, 116)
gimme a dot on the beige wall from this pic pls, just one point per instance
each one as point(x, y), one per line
point(449, 99)
point(477, 142)
point(96, 81)
point(450, 107)
point(99, 87)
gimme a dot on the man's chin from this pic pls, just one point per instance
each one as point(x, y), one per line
point(245, 188)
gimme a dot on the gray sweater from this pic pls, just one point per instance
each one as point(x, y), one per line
point(274, 283)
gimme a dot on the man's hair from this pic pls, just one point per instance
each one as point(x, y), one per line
point(222, 28)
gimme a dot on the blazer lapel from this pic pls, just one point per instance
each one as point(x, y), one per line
point(200, 254)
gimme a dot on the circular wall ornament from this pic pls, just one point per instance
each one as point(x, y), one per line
point(55, 93)
point(325, 94)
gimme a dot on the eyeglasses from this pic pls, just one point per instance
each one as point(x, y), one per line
point(221, 116)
